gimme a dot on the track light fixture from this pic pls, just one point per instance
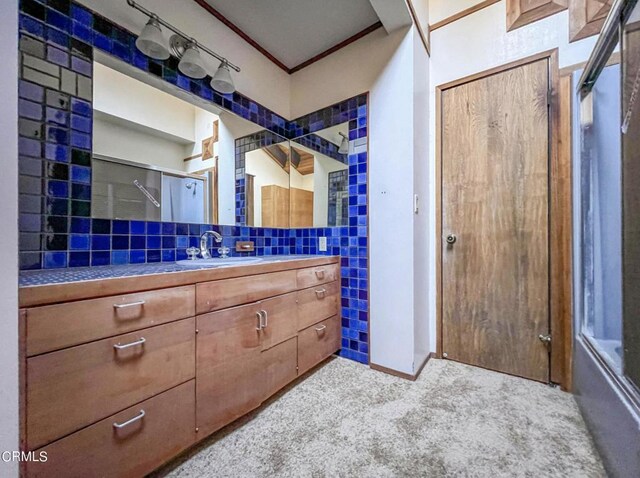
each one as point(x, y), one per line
point(152, 43)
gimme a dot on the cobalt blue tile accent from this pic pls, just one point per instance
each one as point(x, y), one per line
point(55, 260)
point(57, 116)
point(57, 56)
point(322, 146)
point(31, 91)
point(79, 242)
point(81, 107)
point(79, 259)
point(81, 123)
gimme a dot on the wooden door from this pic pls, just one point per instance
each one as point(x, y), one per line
point(301, 208)
point(230, 374)
point(495, 182)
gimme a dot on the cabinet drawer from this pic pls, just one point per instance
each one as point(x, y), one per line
point(75, 387)
point(225, 293)
point(318, 342)
point(318, 303)
point(317, 275)
point(88, 320)
point(135, 449)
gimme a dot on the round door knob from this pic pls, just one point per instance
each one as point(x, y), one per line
point(451, 238)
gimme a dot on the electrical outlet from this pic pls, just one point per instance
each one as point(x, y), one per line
point(322, 244)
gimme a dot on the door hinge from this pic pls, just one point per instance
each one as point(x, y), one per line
point(549, 97)
point(545, 339)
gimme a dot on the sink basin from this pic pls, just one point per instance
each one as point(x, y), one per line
point(217, 261)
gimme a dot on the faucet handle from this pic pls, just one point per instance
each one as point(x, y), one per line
point(224, 252)
point(192, 253)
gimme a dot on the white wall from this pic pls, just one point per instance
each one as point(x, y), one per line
point(259, 79)
point(9, 238)
point(348, 72)
point(477, 43)
point(391, 218)
point(203, 128)
point(125, 142)
point(124, 97)
point(231, 127)
point(323, 165)
point(267, 172)
point(383, 65)
point(441, 9)
point(423, 328)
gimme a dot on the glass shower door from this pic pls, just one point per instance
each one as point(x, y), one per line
point(602, 217)
point(631, 195)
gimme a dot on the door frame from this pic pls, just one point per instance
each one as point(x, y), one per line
point(560, 210)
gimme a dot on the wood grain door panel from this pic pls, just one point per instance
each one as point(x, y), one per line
point(281, 319)
point(231, 379)
point(495, 180)
point(75, 387)
point(280, 365)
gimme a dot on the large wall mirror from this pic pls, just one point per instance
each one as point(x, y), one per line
point(319, 194)
point(160, 154)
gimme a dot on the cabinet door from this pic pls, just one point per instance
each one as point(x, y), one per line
point(280, 321)
point(280, 365)
point(230, 379)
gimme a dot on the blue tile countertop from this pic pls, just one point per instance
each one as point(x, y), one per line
point(81, 274)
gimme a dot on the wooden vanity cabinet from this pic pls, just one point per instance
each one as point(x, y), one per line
point(118, 385)
point(239, 358)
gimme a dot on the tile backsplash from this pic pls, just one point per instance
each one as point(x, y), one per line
point(57, 41)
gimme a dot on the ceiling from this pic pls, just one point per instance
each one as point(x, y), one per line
point(294, 31)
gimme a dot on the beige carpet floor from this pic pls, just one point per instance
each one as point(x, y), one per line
point(346, 420)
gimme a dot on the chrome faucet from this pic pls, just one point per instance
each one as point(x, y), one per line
point(204, 246)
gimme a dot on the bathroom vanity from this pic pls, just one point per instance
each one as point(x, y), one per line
point(124, 367)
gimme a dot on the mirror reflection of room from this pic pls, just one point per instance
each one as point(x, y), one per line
point(319, 193)
point(267, 186)
point(158, 157)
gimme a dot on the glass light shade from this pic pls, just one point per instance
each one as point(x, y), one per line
point(222, 81)
point(151, 42)
point(344, 146)
point(191, 63)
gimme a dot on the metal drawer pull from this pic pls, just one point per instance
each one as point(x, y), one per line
point(259, 315)
point(139, 416)
point(141, 341)
point(321, 328)
point(266, 318)
point(320, 274)
point(131, 304)
point(320, 294)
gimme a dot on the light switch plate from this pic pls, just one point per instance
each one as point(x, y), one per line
point(322, 244)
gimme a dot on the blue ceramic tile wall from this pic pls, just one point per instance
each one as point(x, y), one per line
point(57, 38)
